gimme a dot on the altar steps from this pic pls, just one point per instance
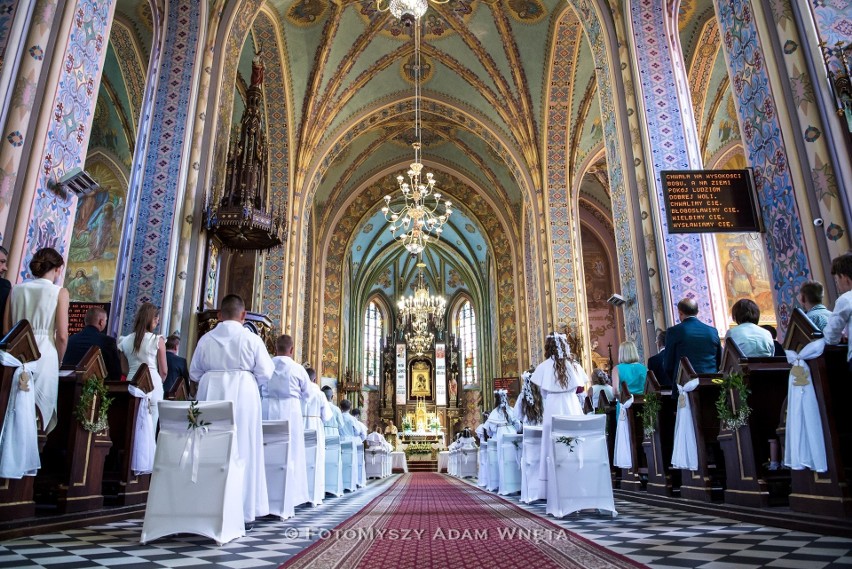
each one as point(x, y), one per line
point(423, 466)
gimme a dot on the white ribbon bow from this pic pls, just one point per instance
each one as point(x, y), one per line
point(623, 458)
point(805, 442)
point(685, 452)
point(193, 447)
point(19, 437)
point(144, 442)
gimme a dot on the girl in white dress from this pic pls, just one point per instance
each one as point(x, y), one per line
point(45, 306)
point(528, 407)
point(500, 422)
point(144, 347)
point(558, 376)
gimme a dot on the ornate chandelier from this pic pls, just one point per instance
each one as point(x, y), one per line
point(419, 219)
point(407, 11)
point(422, 309)
point(420, 340)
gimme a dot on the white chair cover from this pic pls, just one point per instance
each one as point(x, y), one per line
point(493, 465)
point(311, 463)
point(805, 442)
point(276, 449)
point(398, 461)
point(144, 440)
point(580, 472)
point(685, 451)
point(350, 465)
point(483, 465)
point(443, 460)
point(333, 465)
point(375, 460)
point(468, 462)
point(18, 436)
point(210, 505)
point(362, 463)
point(622, 457)
point(510, 464)
point(530, 482)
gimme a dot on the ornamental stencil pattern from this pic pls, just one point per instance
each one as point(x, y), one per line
point(132, 67)
point(167, 141)
point(765, 150)
point(8, 8)
point(687, 276)
point(534, 326)
point(618, 190)
point(52, 216)
point(562, 245)
point(279, 163)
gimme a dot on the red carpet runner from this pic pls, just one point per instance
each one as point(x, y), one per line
point(431, 520)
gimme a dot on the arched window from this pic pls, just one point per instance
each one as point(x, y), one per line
point(372, 344)
point(466, 330)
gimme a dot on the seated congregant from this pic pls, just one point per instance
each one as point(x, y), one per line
point(751, 339)
point(177, 368)
point(810, 297)
point(629, 370)
point(92, 335)
point(600, 384)
point(528, 407)
point(693, 339)
point(656, 362)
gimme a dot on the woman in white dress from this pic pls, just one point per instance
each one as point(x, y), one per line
point(45, 305)
point(558, 376)
point(142, 346)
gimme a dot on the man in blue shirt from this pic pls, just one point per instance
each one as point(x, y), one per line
point(810, 297)
point(692, 339)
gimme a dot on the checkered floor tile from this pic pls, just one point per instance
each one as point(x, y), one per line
point(659, 537)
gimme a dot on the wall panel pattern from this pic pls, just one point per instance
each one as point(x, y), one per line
point(52, 216)
point(167, 142)
point(687, 275)
point(8, 9)
point(765, 150)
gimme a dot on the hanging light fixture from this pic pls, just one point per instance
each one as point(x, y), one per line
point(420, 218)
point(406, 11)
point(421, 308)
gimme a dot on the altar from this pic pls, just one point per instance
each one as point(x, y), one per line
point(437, 437)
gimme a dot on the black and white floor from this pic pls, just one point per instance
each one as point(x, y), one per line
point(659, 537)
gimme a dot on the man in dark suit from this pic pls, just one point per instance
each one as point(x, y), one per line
point(693, 339)
point(656, 363)
point(5, 285)
point(92, 335)
point(178, 370)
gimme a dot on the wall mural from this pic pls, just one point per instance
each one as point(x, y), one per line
point(93, 250)
point(597, 274)
point(744, 271)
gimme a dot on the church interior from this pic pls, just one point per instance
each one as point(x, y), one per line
point(419, 192)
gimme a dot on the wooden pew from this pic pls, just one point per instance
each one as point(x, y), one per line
point(604, 407)
point(699, 484)
point(121, 486)
point(16, 496)
point(659, 445)
point(829, 493)
point(73, 458)
point(631, 478)
point(747, 448)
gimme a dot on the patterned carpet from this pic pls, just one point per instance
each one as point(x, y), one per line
point(431, 520)
point(662, 538)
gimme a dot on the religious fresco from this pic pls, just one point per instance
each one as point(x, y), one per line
point(597, 274)
point(724, 127)
point(93, 250)
point(742, 263)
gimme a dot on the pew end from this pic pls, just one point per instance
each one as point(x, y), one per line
point(707, 483)
point(121, 486)
point(658, 445)
point(16, 495)
point(634, 478)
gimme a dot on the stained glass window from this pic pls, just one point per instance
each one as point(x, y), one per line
point(372, 344)
point(466, 330)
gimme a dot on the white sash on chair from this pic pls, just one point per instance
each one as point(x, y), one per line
point(685, 453)
point(19, 436)
point(805, 444)
point(622, 457)
point(144, 443)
